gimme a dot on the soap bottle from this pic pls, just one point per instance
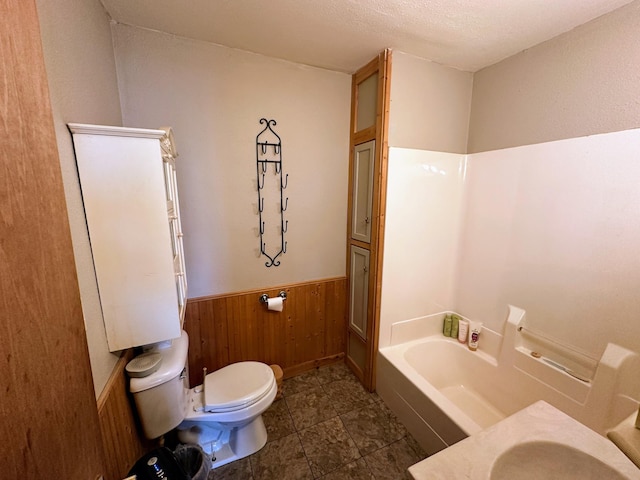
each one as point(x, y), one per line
point(474, 334)
point(463, 330)
point(455, 319)
point(446, 328)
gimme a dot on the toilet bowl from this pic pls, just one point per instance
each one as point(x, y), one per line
point(223, 415)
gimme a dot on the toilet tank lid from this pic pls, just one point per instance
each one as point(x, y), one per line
point(174, 358)
point(144, 365)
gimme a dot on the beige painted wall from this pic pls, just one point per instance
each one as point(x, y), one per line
point(214, 97)
point(583, 82)
point(80, 65)
point(429, 105)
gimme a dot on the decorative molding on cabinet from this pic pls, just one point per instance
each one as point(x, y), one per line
point(87, 129)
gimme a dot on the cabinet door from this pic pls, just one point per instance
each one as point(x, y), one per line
point(363, 163)
point(359, 294)
point(125, 201)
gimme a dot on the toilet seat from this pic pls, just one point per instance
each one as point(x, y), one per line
point(237, 386)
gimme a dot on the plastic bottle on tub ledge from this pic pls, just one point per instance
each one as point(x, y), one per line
point(446, 326)
point(455, 325)
point(474, 334)
point(463, 330)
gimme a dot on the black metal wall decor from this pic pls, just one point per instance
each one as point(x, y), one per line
point(269, 150)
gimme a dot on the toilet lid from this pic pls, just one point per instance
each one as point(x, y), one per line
point(236, 386)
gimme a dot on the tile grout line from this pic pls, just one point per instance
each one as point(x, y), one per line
point(351, 437)
point(322, 387)
point(297, 432)
point(373, 401)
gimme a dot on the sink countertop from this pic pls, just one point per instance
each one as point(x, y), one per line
point(627, 437)
point(474, 457)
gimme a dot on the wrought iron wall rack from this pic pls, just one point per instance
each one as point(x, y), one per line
point(269, 150)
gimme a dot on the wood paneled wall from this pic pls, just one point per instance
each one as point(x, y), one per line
point(122, 436)
point(310, 331)
point(48, 417)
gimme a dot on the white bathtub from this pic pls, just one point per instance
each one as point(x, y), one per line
point(443, 392)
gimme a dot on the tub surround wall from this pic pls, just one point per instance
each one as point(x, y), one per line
point(580, 83)
point(554, 228)
point(551, 228)
point(423, 222)
point(429, 113)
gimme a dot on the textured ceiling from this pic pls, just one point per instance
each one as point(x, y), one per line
point(343, 35)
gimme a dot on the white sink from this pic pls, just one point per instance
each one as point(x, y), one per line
point(537, 443)
point(542, 459)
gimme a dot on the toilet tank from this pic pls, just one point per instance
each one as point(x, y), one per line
point(160, 397)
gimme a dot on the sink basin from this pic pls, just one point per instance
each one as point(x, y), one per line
point(544, 459)
point(537, 443)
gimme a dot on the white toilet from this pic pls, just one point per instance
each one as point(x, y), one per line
point(223, 415)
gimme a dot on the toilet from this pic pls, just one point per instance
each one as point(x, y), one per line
point(223, 415)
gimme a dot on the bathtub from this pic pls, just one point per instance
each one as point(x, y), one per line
point(444, 392)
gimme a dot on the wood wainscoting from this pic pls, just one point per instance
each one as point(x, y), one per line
point(309, 332)
point(122, 435)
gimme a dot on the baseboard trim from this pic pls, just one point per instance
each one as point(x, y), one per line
point(306, 366)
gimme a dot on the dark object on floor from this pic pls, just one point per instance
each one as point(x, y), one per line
point(194, 461)
point(158, 464)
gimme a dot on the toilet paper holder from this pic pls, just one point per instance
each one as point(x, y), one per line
point(264, 297)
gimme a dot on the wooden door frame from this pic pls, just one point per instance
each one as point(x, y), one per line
point(48, 405)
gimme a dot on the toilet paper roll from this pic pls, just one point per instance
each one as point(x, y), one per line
point(275, 304)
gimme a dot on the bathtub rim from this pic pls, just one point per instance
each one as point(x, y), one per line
point(394, 354)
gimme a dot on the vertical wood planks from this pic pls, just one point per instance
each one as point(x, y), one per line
point(310, 330)
point(123, 441)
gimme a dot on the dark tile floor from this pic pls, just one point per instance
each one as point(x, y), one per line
point(328, 426)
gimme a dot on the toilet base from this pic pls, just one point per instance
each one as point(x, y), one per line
point(225, 445)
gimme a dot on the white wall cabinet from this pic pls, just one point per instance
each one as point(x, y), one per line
point(130, 196)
